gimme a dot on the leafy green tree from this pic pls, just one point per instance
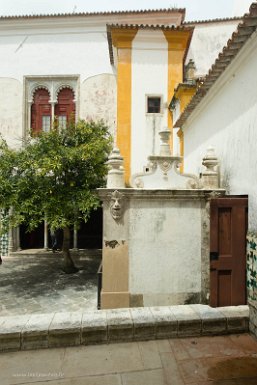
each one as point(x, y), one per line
point(53, 178)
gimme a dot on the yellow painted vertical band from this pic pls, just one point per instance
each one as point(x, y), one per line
point(177, 45)
point(122, 39)
point(184, 94)
point(180, 134)
point(124, 108)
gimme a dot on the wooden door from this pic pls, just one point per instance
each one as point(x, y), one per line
point(228, 229)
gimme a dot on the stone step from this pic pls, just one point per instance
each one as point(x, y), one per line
point(42, 253)
point(36, 331)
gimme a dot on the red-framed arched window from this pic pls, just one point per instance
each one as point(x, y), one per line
point(41, 111)
point(65, 107)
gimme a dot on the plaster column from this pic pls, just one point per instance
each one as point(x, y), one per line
point(115, 260)
point(76, 108)
point(10, 236)
point(122, 40)
point(205, 250)
point(28, 128)
point(180, 134)
point(75, 239)
point(178, 42)
point(45, 235)
point(10, 241)
point(18, 241)
point(52, 112)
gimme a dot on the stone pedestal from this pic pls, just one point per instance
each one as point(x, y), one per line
point(115, 177)
point(156, 234)
point(210, 177)
point(155, 247)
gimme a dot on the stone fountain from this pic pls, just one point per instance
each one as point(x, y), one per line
point(156, 232)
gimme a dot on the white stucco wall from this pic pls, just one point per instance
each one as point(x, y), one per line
point(11, 96)
point(98, 95)
point(156, 252)
point(51, 48)
point(227, 120)
point(149, 77)
point(207, 41)
point(164, 250)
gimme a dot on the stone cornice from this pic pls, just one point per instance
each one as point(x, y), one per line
point(178, 40)
point(181, 35)
point(186, 194)
point(122, 38)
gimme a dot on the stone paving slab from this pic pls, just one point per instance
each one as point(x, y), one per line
point(189, 322)
point(65, 329)
point(213, 320)
point(106, 326)
point(237, 317)
point(35, 332)
point(119, 325)
point(143, 323)
point(94, 327)
point(165, 322)
point(10, 332)
point(208, 360)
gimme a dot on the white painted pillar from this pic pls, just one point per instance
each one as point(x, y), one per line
point(29, 117)
point(75, 239)
point(18, 240)
point(10, 237)
point(45, 235)
point(10, 241)
point(52, 112)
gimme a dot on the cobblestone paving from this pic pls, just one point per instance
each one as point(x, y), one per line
point(35, 283)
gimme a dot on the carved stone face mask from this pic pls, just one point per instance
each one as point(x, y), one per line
point(116, 205)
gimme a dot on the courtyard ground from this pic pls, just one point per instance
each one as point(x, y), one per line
point(32, 281)
point(222, 360)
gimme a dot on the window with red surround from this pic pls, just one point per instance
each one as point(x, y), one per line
point(41, 111)
point(65, 107)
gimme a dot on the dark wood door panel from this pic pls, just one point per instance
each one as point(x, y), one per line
point(228, 251)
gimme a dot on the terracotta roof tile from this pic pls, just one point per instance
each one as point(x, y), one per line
point(225, 57)
point(150, 26)
point(141, 26)
point(105, 13)
point(209, 21)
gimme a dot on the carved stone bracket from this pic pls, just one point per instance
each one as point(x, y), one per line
point(193, 181)
point(165, 166)
point(162, 171)
point(217, 194)
point(116, 205)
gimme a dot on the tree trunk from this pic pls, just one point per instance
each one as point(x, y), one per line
point(68, 264)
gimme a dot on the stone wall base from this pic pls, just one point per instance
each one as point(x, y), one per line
point(115, 300)
point(253, 317)
point(37, 331)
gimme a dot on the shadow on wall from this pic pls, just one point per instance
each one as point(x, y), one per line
point(89, 234)
point(99, 100)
